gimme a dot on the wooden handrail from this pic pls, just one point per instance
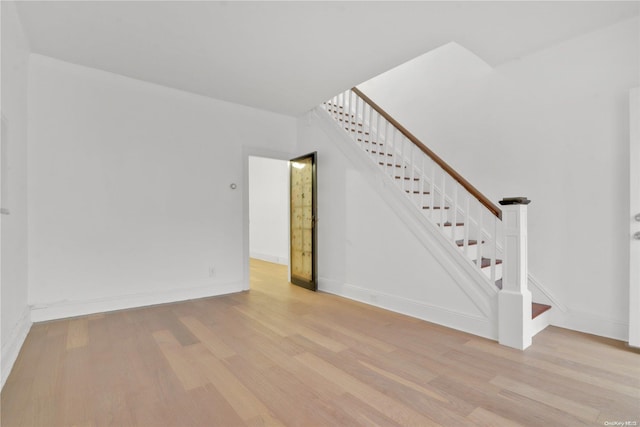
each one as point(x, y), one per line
point(455, 175)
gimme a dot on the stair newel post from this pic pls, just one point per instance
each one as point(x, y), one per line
point(514, 300)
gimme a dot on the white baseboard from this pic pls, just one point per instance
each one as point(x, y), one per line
point(270, 258)
point(591, 324)
point(566, 317)
point(61, 310)
point(12, 344)
point(473, 324)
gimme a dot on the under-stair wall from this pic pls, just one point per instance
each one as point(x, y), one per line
point(375, 247)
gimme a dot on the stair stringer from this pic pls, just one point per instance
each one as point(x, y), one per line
point(470, 281)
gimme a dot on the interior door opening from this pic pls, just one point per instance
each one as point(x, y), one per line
point(268, 213)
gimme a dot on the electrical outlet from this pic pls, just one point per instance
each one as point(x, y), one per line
point(212, 272)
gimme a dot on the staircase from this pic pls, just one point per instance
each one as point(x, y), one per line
point(465, 217)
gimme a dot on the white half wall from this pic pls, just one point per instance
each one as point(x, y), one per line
point(14, 318)
point(552, 126)
point(269, 209)
point(129, 190)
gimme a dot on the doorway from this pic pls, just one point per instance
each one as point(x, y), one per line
point(268, 202)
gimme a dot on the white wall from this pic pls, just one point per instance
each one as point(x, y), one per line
point(365, 250)
point(552, 126)
point(129, 190)
point(269, 209)
point(13, 289)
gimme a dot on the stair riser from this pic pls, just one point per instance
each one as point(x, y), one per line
point(487, 271)
point(472, 251)
point(438, 216)
point(540, 323)
point(405, 184)
point(459, 233)
point(417, 195)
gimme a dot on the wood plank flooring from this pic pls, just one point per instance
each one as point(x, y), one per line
point(280, 355)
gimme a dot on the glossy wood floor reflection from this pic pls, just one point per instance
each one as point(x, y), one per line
point(281, 355)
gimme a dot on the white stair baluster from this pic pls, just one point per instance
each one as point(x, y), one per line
point(349, 113)
point(387, 145)
point(370, 128)
point(356, 122)
point(479, 238)
point(442, 198)
point(454, 217)
point(413, 174)
point(467, 226)
point(423, 181)
point(494, 244)
point(432, 196)
point(342, 103)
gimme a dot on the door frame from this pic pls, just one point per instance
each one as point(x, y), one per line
point(248, 151)
point(634, 204)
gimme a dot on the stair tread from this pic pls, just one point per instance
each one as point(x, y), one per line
point(537, 309)
point(469, 242)
point(350, 122)
point(391, 164)
point(435, 207)
point(417, 192)
point(408, 178)
point(370, 142)
point(337, 114)
point(378, 152)
point(486, 262)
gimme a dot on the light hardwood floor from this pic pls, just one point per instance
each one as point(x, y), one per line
point(281, 355)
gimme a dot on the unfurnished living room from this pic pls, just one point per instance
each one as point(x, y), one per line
point(299, 213)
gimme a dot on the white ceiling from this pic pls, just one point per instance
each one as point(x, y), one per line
point(288, 57)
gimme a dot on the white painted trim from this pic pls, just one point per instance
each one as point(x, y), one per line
point(11, 345)
point(634, 203)
point(514, 300)
point(270, 258)
point(64, 309)
point(476, 325)
point(591, 324)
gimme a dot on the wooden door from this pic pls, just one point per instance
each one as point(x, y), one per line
point(303, 242)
